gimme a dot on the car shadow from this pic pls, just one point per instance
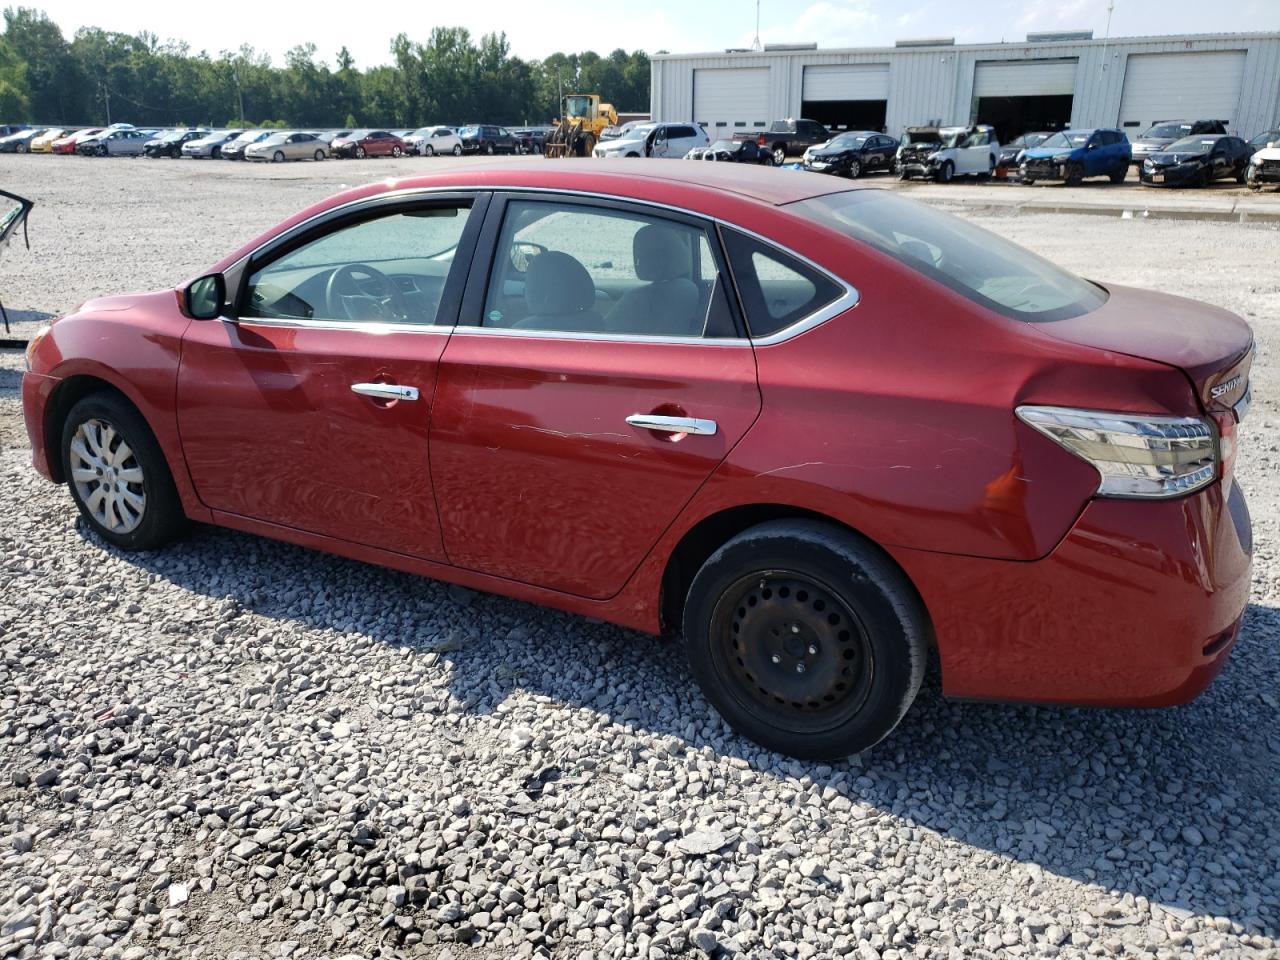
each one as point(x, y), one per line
point(1148, 803)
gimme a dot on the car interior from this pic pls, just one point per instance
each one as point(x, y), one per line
point(635, 275)
point(391, 269)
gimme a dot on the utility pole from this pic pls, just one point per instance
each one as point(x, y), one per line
point(235, 78)
point(1106, 37)
point(755, 44)
point(106, 97)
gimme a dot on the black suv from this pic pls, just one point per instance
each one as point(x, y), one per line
point(486, 138)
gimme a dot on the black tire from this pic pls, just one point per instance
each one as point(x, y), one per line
point(457, 149)
point(854, 619)
point(779, 155)
point(1117, 176)
point(855, 169)
point(1242, 176)
point(428, 151)
point(488, 149)
point(947, 172)
point(360, 153)
point(21, 148)
point(162, 518)
point(396, 151)
point(1029, 181)
point(216, 154)
point(1075, 176)
point(278, 157)
point(1206, 178)
point(319, 156)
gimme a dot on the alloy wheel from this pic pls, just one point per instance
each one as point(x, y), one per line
point(107, 476)
point(793, 652)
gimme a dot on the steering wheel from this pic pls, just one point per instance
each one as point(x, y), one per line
point(342, 288)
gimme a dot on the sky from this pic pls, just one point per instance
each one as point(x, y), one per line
point(536, 28)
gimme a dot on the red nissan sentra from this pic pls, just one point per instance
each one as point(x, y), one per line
point(816, 427)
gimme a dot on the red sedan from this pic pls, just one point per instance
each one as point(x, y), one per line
point(69, 143)
point(817, 428)
point(369, 143)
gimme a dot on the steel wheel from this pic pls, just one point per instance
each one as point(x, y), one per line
point(793, 652)
point(107, 476)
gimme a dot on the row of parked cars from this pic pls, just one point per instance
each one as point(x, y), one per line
point(124, 139)
point(1170, 153)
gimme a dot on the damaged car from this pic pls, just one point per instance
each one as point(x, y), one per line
point(1197, 162)
point(944, 153)
point(1264, 165)
point(1071, 155)
point(852, 154)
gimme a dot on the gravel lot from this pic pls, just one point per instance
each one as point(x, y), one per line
point(238, 748)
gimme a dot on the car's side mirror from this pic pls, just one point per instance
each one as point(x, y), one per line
point(203, 298)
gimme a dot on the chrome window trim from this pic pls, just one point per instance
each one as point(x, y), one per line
point(301, 323)
point(472, 331)
point(848, 299)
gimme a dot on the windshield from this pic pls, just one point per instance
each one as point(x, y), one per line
point(1262, 139)
point(275, 138)
point(1068, 138)
point(848, 141)
point(729, 145)
point(1191, 145)
point(921, 136)
point(174, 136)
point(577, 106)
point(1168, 131)
point(979, 265)
point(1029, 140)
point(640, 131)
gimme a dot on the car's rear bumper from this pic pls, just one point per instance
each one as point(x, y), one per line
point(1139, 605)
point(36, 391)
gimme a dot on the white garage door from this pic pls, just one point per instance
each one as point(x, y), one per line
point(1181, 86)
point(847, 81)
point(1024, 78)
point(729, 98)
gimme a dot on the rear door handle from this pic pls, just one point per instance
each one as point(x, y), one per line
point(385, 391)
point(693, 425)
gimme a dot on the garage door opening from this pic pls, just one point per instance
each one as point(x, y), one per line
point(840, 115)
point(1014, 116)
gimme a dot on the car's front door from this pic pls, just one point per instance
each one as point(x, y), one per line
point(661, 142)
point(597, 377)
point(309, 406)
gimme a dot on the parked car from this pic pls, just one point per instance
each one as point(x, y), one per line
point(487, 139)
point(44, 142)
point(1159, 136)
point(20, 142)
point(1265, 139)
point(1057, 515)
point(943, 153)
point(1070, 156)
point(732, 151)
point(71, 142)
point(369, 143)
point(121, 142)
point(209, 146)
point(1010, 154)
point(531, 139)
point(670, 140)
point(8, 129)
point(615, 132)
point(170, 142)
point(234, 149)
point(1264, 165)
point(1197, 162)
point(328, 136)
point(288, 145)
point(786, 138)
point(429, 141)
point(853, 154)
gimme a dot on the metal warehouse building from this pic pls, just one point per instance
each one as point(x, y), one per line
point(1050, 81)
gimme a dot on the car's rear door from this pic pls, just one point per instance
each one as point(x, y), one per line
point(308, 406)
point(572, 425)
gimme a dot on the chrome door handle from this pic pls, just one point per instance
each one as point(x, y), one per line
point(693, 425)
point(385, 391)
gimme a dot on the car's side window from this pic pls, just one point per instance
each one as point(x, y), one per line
point(580, 268)
point(388, 269)
point(777, 290)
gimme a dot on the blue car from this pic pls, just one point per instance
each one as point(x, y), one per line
point(1071, 155)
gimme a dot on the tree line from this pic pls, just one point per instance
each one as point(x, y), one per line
point(100, 77)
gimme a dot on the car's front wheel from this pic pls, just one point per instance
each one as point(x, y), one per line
point(806, 638)
point(428, 151)
point(319, 155)
point(779, 156)
point(360, 153)
point(855, 169)
point(457, 149)
point(396, 151)
point(488, 149)
point(118, 476)
point(947, 172)
point(277, 157)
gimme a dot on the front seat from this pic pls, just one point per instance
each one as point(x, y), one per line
point(559, 295)
point(668, 304)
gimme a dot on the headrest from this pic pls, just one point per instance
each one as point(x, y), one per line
point(556, 284)
point(660, 253)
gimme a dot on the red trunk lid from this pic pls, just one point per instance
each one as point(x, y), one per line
point(1212, 346)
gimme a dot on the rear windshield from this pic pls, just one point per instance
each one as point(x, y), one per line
point(1168, 131)
point(1068, 138)
point(979, 265)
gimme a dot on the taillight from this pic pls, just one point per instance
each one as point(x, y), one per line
point(1136, 455)
point(761, 141)
point(1227, 427)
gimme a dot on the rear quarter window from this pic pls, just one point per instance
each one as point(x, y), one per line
point(776, 289)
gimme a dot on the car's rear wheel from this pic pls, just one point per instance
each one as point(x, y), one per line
point(21, 148)
point(806, 638)
point(118, 476)
point(457, 149)
point(779, 156)
point(855, 169)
